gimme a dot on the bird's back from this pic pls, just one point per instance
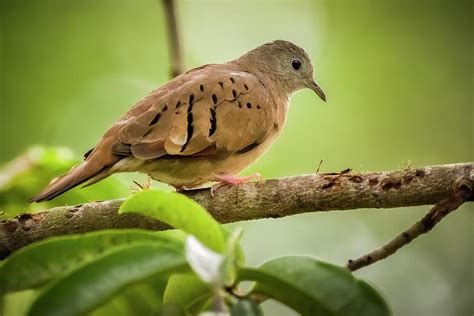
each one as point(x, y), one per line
point(212, 106)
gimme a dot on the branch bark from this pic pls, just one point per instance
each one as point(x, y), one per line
point(266, 199)
point(174, 39)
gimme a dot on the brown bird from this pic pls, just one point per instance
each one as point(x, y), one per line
point(204, 125)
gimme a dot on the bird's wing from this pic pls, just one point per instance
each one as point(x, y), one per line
point(207, 110)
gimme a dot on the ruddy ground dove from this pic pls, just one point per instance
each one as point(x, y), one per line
point(204, 125)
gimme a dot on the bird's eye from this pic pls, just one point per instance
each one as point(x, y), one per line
point(296, 64)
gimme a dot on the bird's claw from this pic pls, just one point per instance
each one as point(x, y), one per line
point(229, 180)
point(140, 187)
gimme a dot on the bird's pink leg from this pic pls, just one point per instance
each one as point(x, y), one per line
point(228, 179)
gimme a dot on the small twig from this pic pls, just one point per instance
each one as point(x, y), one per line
point(433, 217)
point(319, 165)
point(174, 40)
point(140, 187)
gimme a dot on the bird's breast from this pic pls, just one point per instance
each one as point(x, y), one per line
point(192, 172)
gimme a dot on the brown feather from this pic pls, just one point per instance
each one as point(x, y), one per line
point(76, 176)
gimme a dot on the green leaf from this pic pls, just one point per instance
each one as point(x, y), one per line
point(187, 291)
point(246, 307)
point(143, 298)
point(31, 171)
point(172, 310)
point(40, 262)
point(231, 263)
point(18, 303)
point(91, 285)
point(180, 212)
point(367, 300)
point(233, 245)
point(117, 306)
point(312, 287)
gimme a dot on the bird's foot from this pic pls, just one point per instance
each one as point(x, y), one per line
point(140, 187)
point(227, 179)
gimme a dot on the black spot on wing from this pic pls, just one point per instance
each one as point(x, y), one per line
point(190, 128)
point(155, 119)
point(248, 148)
point(147, 132)
point(212, 130)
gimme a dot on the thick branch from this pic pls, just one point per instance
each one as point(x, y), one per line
point(265, 199)
point(174, 40)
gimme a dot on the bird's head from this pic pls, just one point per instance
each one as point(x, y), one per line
point(284, 62)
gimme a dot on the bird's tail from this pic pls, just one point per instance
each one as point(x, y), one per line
point(89, 170)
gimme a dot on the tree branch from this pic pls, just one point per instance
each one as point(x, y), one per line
point(433, 217)
point(174, 39)
point(266, 199)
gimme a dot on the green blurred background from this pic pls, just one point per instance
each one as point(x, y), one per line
point(399, 80)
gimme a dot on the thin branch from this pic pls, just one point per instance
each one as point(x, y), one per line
point(174, 39)
point(266, 199)
point(433, 217)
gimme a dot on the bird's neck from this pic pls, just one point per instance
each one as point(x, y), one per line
point(269, 77)
point(278, 90)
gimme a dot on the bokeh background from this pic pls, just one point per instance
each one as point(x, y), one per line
point(399, 81)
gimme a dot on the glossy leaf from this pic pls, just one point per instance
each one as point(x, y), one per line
point(143, 298)
point(40, 262)
point(231, 264)
point(91, 285)
point(180, 212)
point(246, 307)
point(232, 239)
point(172, 310)
point(17, 303)
point(312, 287)
point(187, 291)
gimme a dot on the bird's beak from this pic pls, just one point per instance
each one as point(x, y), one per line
point(313, 85)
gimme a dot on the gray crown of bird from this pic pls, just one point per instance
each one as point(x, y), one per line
point(205, 125)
